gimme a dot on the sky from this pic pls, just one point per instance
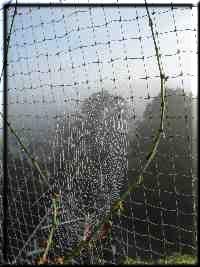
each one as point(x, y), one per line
point(33, 104)
point(24, 102)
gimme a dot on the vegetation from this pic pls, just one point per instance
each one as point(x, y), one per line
point(166, 196)
point(174, 259)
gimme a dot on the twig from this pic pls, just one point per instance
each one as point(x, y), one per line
point(30, 238)
point(8, 40)
point(55, 206)
point(33, 160)
point(139, 179)
point(5, 202)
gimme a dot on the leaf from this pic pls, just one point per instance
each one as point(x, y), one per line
point(119, 205)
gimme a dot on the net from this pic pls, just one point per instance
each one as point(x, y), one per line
point(83, 87)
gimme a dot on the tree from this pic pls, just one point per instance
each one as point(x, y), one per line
point(90, 152)
point(106, 142)
point(167, 196)
point(85, 142)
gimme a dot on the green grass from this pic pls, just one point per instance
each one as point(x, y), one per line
point(174, 259)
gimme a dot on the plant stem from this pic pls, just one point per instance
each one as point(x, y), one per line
point(139, 179)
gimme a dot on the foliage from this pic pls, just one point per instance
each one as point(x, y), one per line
point(179, 259)
point(90, 145)
point(174, 259)
point(174, 151)
point(166, 196)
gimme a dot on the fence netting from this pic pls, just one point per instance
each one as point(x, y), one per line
point(83, 89)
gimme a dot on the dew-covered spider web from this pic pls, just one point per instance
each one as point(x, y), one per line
point(83, 89)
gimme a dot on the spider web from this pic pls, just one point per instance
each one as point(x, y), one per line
point(76, 88)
